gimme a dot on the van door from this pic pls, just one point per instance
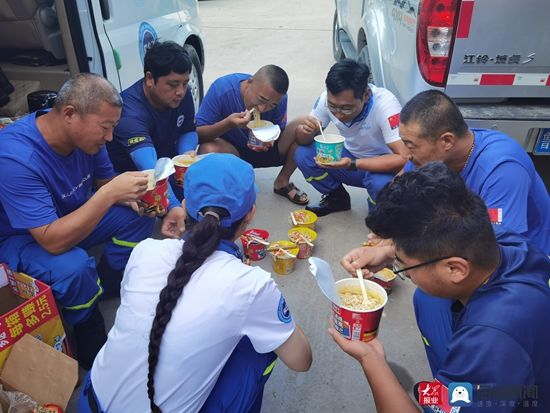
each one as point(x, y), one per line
point(501, 51)
point(125, 28)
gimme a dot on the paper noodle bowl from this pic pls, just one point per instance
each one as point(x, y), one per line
point(356, 324)
point(156, 200)
point(303, 218)
point(181, 163)
point(385, 278)
point(328, 148)
point(298, 235)
point(253, 142)
point(252, 249)
point(283, 264)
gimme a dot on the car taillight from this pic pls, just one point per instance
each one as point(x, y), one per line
point(437, 21)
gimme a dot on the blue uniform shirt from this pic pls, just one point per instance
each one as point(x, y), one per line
point(39, 185)
point(500, 338)
point(141, 125)
point(504, 176)
point(224, 98)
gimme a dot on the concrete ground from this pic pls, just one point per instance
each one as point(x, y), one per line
point(241, 36)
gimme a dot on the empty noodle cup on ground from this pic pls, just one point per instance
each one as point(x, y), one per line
point(181, 163)
point(283, 263)
point(385, 279)
point(347, 317)
point(328, 148)
point(299, 235)
point(150, 178)
point(253, 249)
point(303, 218)
point(156, 200)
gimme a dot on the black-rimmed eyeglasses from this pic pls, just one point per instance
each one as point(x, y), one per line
point(402, 271)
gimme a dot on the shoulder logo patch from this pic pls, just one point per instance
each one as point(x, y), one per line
point(283, 312)
point(394, 121)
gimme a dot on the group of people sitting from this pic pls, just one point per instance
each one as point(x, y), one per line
point(467, 219)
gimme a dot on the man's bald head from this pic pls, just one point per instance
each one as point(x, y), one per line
point(85, 92)
point(274, 76)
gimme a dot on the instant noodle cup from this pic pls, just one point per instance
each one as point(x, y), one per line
point(181, 163)
point(328, 147)
point(303, 218)
point(283, 262)
point(156, 200)
point(299, 235)
point(261, 132)
point(385, 279)
point(253, 249)
point(350, 321)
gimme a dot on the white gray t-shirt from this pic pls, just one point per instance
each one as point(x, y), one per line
point(224, 301)
point(370, 136)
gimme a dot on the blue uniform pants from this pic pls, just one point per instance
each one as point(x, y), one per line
point(434, 319)
point(72, 275)
point(326, 180)
point(239, 389)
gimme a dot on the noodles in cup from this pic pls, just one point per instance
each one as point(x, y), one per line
point(352, 299)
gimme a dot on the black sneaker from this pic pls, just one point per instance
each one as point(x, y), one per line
point(89, 336)
point(335, 201)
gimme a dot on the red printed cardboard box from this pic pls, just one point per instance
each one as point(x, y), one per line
point(27, 306)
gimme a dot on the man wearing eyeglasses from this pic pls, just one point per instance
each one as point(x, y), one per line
point(499, 284)
point(368, 118)
point(227, 109)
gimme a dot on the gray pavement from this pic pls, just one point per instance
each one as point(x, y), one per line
point(241, 36)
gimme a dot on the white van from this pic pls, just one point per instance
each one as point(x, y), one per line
point(44, 42)
point(490, 56)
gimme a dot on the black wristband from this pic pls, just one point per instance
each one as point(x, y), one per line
point(353, 165)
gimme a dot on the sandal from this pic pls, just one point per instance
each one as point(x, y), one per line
point(297, 198)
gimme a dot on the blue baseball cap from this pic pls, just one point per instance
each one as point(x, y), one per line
point(220, 180)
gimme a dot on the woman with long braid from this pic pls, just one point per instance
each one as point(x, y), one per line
point(197, 330)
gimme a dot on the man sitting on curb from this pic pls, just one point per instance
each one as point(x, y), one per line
point(368, 118)
point(226, 110)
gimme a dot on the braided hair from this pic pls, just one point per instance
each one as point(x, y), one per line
point(202, 241)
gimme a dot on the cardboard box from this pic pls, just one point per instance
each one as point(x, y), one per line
point(27, 306)
point(40, 371)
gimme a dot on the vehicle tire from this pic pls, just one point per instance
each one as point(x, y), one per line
point(364, 58)
point(337, 50)
point(195, 77)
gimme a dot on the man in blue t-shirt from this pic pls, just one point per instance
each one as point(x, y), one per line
point(62, 197)
point(227, 109)
point(499, 286)
point(494, 167)
point(158, 120)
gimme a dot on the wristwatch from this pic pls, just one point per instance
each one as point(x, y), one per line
point(353, 165)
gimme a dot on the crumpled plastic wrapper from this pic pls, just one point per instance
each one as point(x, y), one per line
point(17, 402)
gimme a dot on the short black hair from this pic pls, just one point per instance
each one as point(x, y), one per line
point(435, 113)
point(275, 76)
point(348, 74)
point(162, 58)
point(429, 213)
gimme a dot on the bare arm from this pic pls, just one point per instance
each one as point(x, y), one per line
point(386, 163)
point(295, 352)
point(307, 130)
point(389, 396)
point(208, 133)
point(64, 233)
